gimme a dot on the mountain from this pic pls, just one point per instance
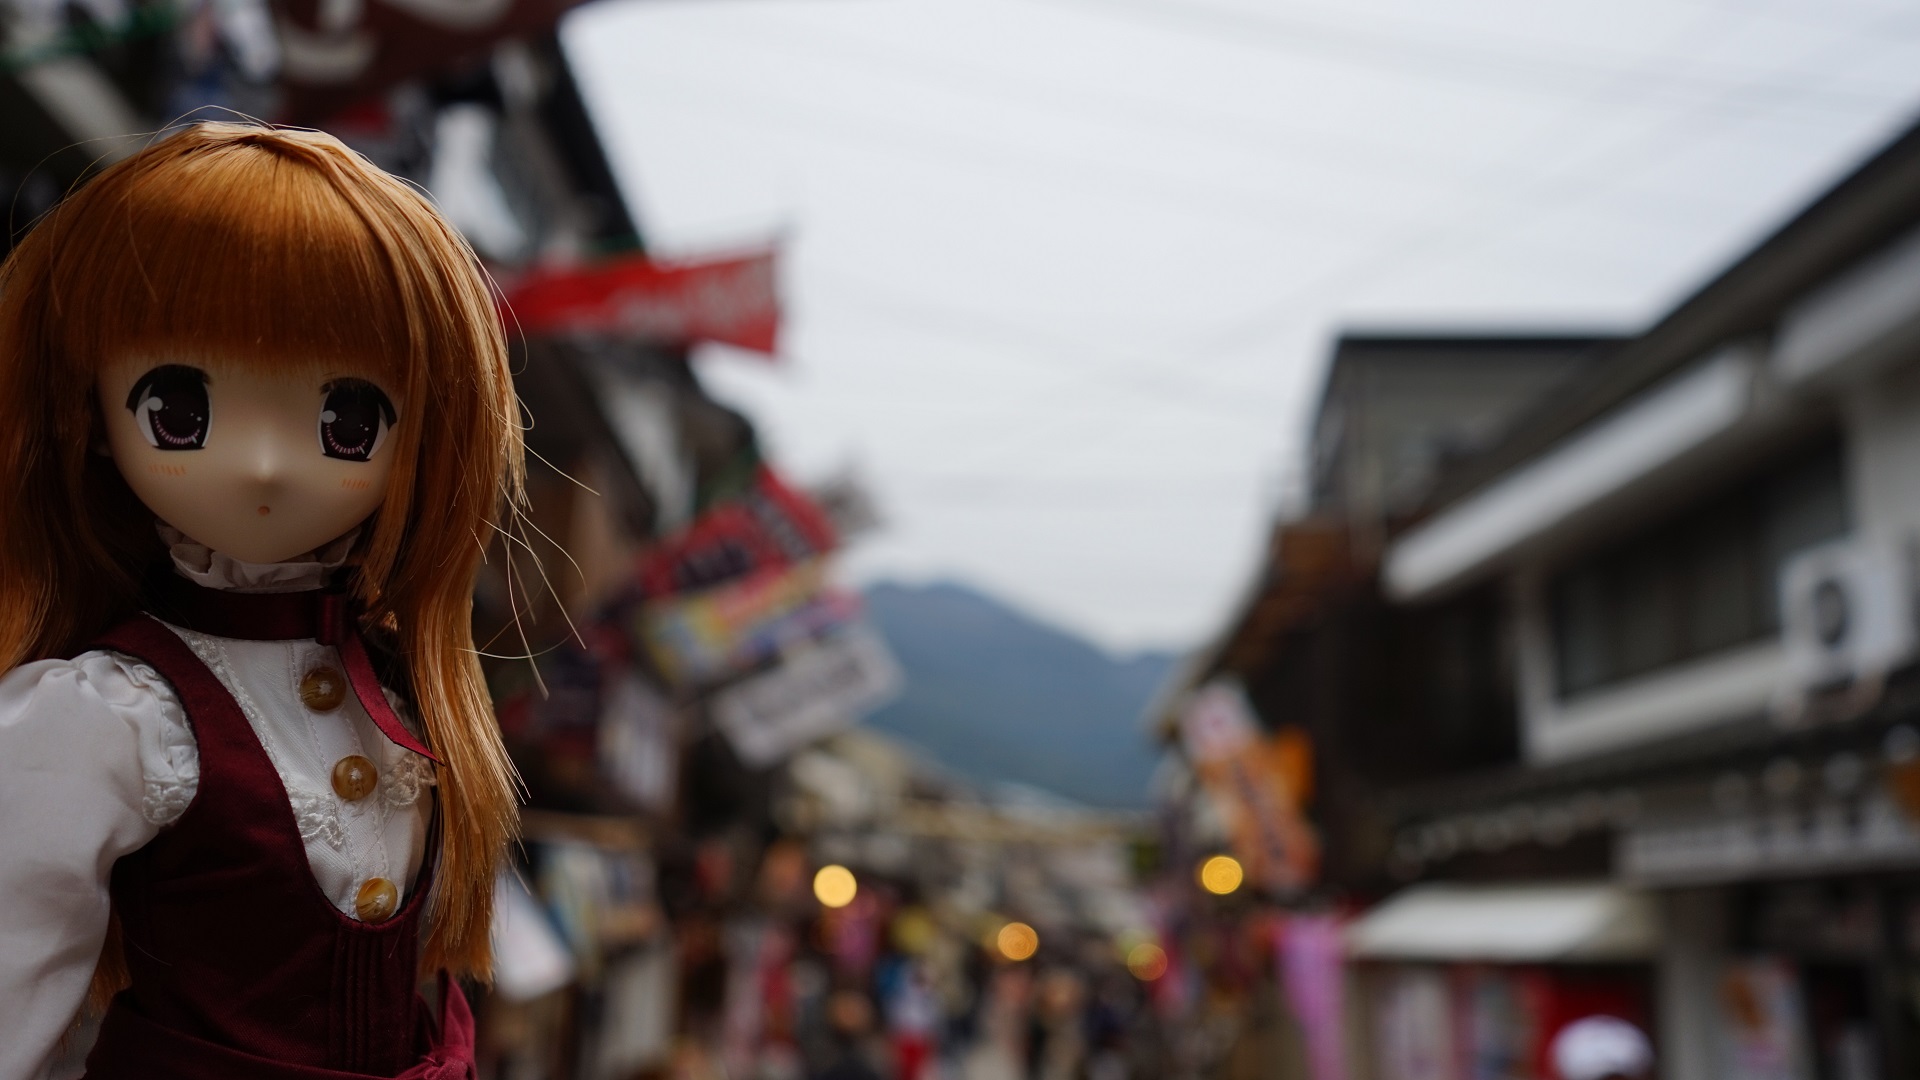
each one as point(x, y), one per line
point(997, 696)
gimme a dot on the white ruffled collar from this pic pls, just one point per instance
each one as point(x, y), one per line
point(202, 565)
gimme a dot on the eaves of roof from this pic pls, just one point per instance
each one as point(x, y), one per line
point(1867, 210)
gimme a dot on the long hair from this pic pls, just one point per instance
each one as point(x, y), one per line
point(279, 248)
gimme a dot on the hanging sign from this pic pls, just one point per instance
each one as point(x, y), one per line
point(771, 527)
point(817, 690)
point(1259, 781)
point(732, 301)
point(704, 637)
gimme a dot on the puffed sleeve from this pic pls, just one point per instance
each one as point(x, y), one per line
point(95, 756)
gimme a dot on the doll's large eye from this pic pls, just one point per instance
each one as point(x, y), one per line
point(169, 404)
point(354, 419)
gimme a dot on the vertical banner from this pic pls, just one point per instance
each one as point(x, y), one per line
point(1259, 781)
point(1312, 960)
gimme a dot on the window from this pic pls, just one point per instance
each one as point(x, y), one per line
point(1699, 582)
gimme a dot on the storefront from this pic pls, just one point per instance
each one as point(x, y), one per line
point(1792, 905)
point(1460, 982)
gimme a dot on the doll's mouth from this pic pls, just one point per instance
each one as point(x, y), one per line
point(263, 511)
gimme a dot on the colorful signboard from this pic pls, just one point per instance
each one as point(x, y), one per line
point(702, 638)
point(1260, 783)
point(771, 527)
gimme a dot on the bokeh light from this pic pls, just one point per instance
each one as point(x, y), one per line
point(1221, 875)
point(834, 886)
point(1147, 961)
point(1017, 941)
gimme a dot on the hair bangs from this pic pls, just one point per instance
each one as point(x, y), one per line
point(242, 249)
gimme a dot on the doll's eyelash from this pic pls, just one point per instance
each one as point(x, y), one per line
point(169, 405)
point(163, 373)
point(365, 387)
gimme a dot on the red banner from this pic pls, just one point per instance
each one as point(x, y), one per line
point(733, 301)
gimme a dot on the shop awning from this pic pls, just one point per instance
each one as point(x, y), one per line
point(1508, 923)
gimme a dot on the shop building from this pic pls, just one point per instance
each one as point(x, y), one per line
point(1703, 556)
point(1615, 708)
point(1298, 671)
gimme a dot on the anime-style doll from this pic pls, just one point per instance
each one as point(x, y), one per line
point(256, 432)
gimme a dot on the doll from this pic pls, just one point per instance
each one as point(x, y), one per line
point(256, 431)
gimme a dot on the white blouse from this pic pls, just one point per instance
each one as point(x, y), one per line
point(97, 757)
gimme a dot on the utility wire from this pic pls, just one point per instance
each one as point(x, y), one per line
point(1295, 145)
point(1497, 197)
point(1151, 381)
point(1011, 448)
point(1553, 70)
point(1160, 383)
point(1202, 343)
point(1073, 174)
point(1007, 492)
point(1531, 196)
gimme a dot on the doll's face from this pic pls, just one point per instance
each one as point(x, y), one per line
point(259, 465)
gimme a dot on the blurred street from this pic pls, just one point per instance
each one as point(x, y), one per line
point(1136, 539)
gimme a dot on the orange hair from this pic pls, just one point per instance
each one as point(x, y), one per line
point(281, 248)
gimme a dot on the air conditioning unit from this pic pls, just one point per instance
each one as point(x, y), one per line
point(1846, 615)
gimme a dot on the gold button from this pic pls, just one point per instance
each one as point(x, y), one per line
point(323, 689)
point(376, 900)
point(354, 777)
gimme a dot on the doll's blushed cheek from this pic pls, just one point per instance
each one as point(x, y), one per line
point(356, 485)
point(167, 470)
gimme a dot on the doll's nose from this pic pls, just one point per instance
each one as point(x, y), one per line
point(265, 454)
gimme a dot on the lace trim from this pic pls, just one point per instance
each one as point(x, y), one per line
point(316, 812)
point(166, 798)
point(406, 780)
point(318, 815)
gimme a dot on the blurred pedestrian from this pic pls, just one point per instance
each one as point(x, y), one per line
point(912, 1018)
point(850, 1026)
point(1056, 1043)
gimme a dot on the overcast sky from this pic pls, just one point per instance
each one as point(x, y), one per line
point(1062, 274)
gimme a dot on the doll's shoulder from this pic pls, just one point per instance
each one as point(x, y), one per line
point(112, 709)
point(116, 680)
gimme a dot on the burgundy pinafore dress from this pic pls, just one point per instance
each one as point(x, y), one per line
point(241, 968)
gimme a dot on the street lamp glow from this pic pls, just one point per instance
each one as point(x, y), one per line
point(834, 886)
point(1018, 941)
point(1221, 875)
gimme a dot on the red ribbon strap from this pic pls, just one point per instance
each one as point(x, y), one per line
point(337, 629)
